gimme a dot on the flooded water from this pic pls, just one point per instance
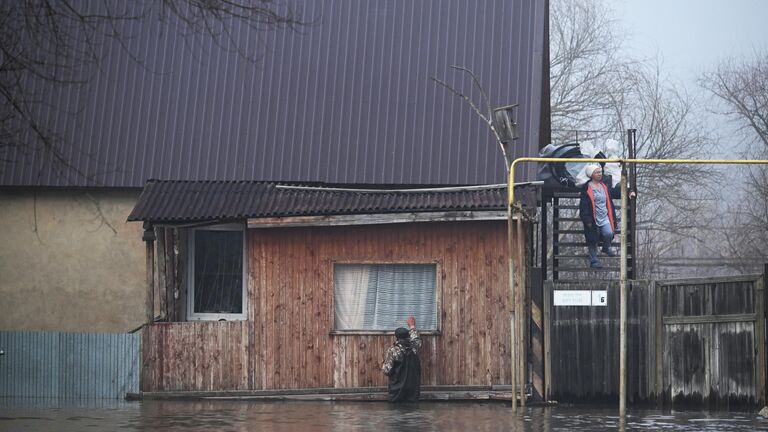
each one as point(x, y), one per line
point(167, 416)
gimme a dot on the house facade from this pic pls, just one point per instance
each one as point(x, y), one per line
point(303, 287)
point(347, 102)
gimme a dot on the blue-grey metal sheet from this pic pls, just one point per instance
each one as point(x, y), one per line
point(69, 366)
point(347, 99)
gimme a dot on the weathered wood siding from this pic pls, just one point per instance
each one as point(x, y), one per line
point(696, 343)
point(712, 342)
point(196, 356)
point(287, 341)
point(585, 345)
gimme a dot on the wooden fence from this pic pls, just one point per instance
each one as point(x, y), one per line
point(711, 339)
point(694, 342)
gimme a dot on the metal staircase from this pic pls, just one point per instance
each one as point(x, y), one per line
point(570, 261)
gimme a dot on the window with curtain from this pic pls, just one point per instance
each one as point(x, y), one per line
point(382, 296)
point(216, 273)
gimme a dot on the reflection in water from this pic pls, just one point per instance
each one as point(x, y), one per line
point(227, 415)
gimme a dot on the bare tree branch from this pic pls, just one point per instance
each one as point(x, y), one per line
point(486, 120)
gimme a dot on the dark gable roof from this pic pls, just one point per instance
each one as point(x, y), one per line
point(182, 201)
point(347, 99)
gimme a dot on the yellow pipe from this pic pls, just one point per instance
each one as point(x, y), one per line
point(511, 186)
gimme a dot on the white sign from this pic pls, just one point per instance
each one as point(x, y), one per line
point(572, 298)
point(580, 298)
point(600, 298)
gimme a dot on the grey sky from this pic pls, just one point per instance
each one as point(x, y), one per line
point(692, 35)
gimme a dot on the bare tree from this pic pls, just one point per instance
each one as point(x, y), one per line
point(741, 87)
point(56, 42)
point(584, 67)
point(598, 93)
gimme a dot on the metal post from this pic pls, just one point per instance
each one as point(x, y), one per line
point(544, 239)
point(631, 226)
point(513, 353)
point(623, 298)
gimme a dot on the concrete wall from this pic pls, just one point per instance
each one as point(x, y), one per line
point(69, 261)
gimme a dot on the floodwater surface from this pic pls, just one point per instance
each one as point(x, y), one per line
point(228, 415)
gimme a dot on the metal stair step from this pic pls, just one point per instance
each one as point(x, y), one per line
point(576, 231)
point(576, 206)
point(584, 244)
point(587, 268)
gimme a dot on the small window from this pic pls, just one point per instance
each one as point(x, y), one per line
point(216, 273)
point(380, 297)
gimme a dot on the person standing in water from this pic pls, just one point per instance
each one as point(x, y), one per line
point(402, 365)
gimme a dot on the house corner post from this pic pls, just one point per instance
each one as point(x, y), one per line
point(149, 239)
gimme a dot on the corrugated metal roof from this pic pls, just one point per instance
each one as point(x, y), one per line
point(174, 201)
point(347, 99)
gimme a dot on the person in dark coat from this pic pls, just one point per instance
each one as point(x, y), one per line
point(402, 365)
point(597, 213)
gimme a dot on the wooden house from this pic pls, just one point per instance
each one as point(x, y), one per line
point(327, 157)
point(324, 276)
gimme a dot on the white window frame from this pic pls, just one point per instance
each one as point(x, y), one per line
point(191, 314)
point(438, 297)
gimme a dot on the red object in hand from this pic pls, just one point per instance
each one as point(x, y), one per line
point(411, 321)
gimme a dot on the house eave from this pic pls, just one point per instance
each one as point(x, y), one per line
point(376, 219)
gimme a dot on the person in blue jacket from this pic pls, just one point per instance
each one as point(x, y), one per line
point(597, 213)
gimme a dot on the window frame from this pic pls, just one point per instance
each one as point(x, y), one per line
point(190, 306)
point(438, 296)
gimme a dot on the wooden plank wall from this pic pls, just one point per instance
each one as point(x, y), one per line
point(585, 345)
point(694, 343)
point(195, 356)
point(709, 365)
point(292, 280)
point(711, 354)
point(287, 342)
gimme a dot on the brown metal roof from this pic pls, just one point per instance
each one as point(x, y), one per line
point(347, 99)
point(178, 201)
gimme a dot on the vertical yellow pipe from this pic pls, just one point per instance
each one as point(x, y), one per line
point(623, 298)
point(521, 312)
point(512, 308)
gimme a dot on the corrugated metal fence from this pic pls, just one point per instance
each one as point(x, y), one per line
point(69, 365)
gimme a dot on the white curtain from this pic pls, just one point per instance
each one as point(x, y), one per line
point(351, 292)
point(382, 296)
